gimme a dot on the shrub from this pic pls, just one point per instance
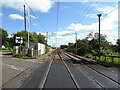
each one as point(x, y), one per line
point(88, 56)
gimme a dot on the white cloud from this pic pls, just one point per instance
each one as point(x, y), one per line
point(107, 23)
point(61, 40)
point(91, 15)
point(16, 16)
point(1, 14)
point(36, 5)
point(62, 32)
point(41, 33)
point(105, 9)
point(64, 40)
point(111, 36)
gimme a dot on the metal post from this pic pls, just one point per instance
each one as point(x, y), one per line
point(99, 15)
point(24, 18)
point(28, 26)
point(20, 45)
point(76, 42)
point(46, 40)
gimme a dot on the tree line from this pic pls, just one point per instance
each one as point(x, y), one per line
point(9, 42)
point(90, 45)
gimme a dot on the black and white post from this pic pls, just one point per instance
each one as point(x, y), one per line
point(99, 15)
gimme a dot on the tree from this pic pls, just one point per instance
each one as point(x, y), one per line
point(33, 37)
point(63, 46)
point(118, 45)
point(83, 47)
point(4, 37)
point(71, 47)
point(94, 42)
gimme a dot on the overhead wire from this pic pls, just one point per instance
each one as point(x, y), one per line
point(104, 15)
point(57, 20)
point(88, 12)
point(84, 11)
point(35, 15)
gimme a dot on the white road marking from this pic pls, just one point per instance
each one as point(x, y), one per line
point(13, 67)
point(24, 60)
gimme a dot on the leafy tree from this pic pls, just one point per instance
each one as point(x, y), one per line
point(41, 39)
point(94, 42)
point(63, 46)
point(4, 37)
point(83, 47)
point(33, 37)
point(118, 45)
point(71, 47)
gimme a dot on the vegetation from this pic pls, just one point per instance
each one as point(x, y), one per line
point(9, 42)
point(89, 47)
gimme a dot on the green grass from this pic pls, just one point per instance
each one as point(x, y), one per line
point(108, 59)
point(7, 50)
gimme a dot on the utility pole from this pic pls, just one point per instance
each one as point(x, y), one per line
point(46, 41)
point(28, 26)
point(99, 15)
point(24, 18)
point(76, 43)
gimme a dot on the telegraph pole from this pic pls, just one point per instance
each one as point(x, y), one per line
point(76, 43)
point(24, 18)
point(99, 15)
point(28, 26)
point(46, 41)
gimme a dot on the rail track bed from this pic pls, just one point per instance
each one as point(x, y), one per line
point(60, 72)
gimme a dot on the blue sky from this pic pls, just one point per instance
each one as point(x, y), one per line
point(69, 20)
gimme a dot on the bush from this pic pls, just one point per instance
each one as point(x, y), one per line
point(88, 56)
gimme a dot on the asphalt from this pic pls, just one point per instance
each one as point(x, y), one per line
point(11, 67)
point(36, 78)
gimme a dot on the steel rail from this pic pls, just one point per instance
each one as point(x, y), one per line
point(89, 77)
point(70, 73)
point(94, 69)
point(42, 84)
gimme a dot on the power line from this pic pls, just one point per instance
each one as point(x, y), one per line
point(88, 11)
point(97, 20)
point(85, 10)
point(108, 13)
point(57, 18)
point(35, 15)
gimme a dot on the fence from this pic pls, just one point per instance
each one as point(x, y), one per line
point(109, 59)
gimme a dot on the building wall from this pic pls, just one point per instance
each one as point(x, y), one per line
point(38, 48)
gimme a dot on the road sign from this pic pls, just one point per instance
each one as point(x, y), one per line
point(19, 40)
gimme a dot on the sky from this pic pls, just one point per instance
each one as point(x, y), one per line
point(61, 20)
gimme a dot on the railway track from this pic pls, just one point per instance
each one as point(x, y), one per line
point(61, 73)
point(95, 74)
point(47, 82)
point(71, 79)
